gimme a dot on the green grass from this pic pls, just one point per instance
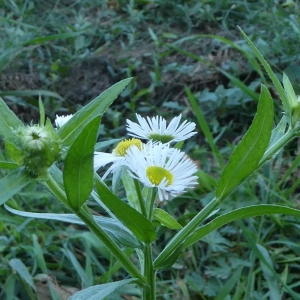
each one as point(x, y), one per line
point(71, 51)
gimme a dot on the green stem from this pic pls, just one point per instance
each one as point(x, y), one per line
point(140, 197)
point(151, 203)
point(92, 225)
point(149, 273)
point(183, 234)
point(287, 137)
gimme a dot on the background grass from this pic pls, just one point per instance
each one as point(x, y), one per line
point(186, 57)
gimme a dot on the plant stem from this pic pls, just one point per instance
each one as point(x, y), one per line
point(99, 232)
point(183, 234)
point(140, 197)
point(270, 152)
point(149, 273)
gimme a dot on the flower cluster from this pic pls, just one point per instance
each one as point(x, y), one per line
point(154, 163)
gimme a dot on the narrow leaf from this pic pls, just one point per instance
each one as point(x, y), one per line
point(271, 74)
point(204, 126)
point(246, 156)
point(114, 228)
point(165, 219)
point(78, 169)
point(98, 106)
point(101, 291)
point(8, 165)
point(12, 183)
point(238, 214)
point(22, 271)
point(136, 222)
point(42, 112)
point(8, 121)
point(14, 152)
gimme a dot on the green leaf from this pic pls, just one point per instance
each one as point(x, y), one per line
point(78, 168)
point(131, 193)
point(14, 152)
point(42, 111)
point(12, 183)
point(8, 121)
point(204, 126)
point(238, 214)
point(114, 228)
point(269, 275)
point(271, 74)
point(22, 271)
point(170, 260)
point(98, 106)
point(136, 222)
point(246, 156)
point(165, 219)
point(257, 251)
point(8, 165)
point(101, 291)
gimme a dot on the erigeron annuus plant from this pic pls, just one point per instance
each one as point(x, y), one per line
point(150, 168)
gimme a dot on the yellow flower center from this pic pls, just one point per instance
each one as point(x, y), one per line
point(123, 146)
point(157, 174)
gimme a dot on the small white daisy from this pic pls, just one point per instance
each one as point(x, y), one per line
point(156, 129)
point(171, 172)
point(62, 120)
point(117, 157)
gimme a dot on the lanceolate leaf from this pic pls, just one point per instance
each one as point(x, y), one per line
point(271, 74)
point(246, 156)
point(238, 214)
point(98, 106)
point(136, 222)
point(101, 291)
point(8, 121)
point(18, 266)
point(165, 219)
point(114, 228)
point(12, 183)
point(78, 169)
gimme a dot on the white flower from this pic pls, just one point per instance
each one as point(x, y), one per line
point(62, 120)
point(156, 129)
point(171, 172)
point(117, 157)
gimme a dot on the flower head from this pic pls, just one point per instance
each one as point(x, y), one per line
point(62, 120)
point(156, 129)
point(39, 148)
point(171, 172)
point(117, 156)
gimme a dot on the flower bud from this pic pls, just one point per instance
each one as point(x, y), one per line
point(41, 147)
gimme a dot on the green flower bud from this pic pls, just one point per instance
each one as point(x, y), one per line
point(41, 147)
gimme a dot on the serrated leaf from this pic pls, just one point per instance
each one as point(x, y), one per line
point(246, 156)
point(114, 228)
point(165, 219)
point(78, 168)
point(136, 222)
point(101, 291)
point(238, 214)
point(8, 121)
point(12, 183)
point(98, 106)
